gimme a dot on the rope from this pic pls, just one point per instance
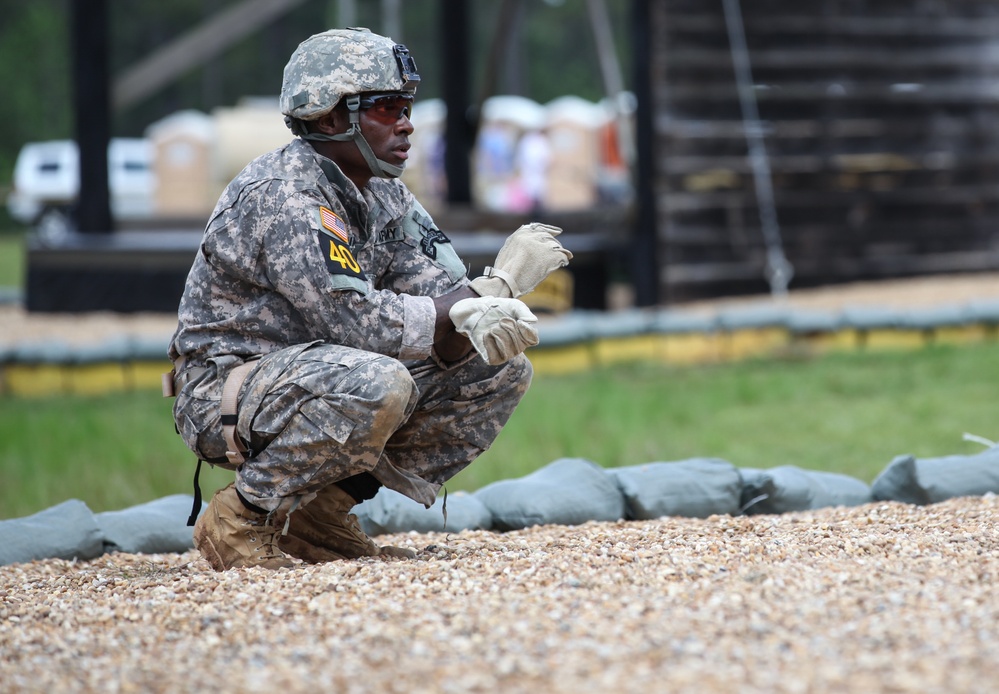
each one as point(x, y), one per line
point(778, 270)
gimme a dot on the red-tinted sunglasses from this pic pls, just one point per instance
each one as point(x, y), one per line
point(387, 108)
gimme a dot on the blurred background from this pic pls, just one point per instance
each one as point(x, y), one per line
point(706, 158)
point(690, 149)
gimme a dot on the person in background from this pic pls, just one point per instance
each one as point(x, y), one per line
point(533, 157)
point(329, 342)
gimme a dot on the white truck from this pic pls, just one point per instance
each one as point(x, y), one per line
point(47, 183)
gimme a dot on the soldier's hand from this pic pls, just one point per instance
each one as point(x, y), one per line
point(528, 256)
point(498, 328)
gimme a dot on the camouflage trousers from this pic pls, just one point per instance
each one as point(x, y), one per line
point(312, 415)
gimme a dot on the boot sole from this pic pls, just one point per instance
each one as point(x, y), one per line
point(207, 549)
point(308, 552)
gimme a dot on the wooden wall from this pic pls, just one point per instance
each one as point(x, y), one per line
point(882, 126)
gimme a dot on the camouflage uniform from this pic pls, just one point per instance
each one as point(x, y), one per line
point(330, 288)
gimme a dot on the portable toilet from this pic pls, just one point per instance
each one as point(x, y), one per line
point(182, 143)
point(425, 175)
point(572, 126)
point(243, 132)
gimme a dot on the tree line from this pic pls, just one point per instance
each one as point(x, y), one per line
point(549, 53)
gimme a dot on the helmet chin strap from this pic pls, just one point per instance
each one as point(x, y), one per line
point(379, 168)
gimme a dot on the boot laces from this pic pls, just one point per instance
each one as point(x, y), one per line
point(266, 534)
point(354, 525)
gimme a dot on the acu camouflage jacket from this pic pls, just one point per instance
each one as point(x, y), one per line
point(294, 253)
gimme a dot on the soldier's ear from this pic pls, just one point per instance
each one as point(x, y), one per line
point(335, 122)
point(326, 124)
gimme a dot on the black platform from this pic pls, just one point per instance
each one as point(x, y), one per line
point(124, 271)
point(145, 270)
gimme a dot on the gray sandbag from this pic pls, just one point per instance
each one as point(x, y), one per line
point(568, 329)
point(392, 512)
point(569, 491)
point(155, 527)
point(621, 323)
point(755, 316)
point(694, 488)
point(932, 317)
point(674, 322)
point(789, 488)
point(808, 322)
point(872, 317)
point(65, 531)
point(930, 480)
point(112, 350)
point(984, 311)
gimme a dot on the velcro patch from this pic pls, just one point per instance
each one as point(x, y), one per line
point(334, 244)
point(337, 256)
point(332, 222)
point(432, 237)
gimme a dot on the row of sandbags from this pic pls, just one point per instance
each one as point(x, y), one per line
point(571, 491)
point(582, 326)
point(70, 530)
point(112, 350)
point(568, 491)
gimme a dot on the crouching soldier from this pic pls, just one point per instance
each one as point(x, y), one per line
point(328, 341)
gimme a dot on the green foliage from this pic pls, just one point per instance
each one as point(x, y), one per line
point(849, 413)
point(12, 259)
point(558, 54)
point(553, 55)
point(34, 72)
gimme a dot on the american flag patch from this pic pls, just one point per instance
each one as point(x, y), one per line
point(332, 222)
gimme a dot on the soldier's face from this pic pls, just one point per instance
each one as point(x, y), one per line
point(388, 137)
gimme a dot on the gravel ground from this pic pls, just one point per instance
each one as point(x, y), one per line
point(879, 598)
point(885, 597)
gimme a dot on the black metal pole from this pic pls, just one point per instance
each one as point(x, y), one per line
point(458, 132)
point(645, 236)
point(91, 105)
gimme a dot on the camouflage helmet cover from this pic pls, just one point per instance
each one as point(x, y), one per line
point(329, 66)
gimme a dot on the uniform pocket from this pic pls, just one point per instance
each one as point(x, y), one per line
point(328, 419)
point(307, 426)
point(201, 430)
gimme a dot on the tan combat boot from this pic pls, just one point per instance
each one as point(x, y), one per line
point(325, 530)
point(229, 535)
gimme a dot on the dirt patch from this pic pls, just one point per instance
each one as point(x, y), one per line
point(18, 326)
point(940, 290)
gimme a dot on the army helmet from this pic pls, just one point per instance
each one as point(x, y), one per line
point(341, 64)
point(329, 66)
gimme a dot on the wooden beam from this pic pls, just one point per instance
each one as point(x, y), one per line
point(92, 213)
point(203, 42)
point(499, 49)
point(643, 258)
point(814, 58)
point(766, 23)
point(455, 20)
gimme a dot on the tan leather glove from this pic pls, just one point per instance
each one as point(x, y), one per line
point(499, 328)
point(528, 256)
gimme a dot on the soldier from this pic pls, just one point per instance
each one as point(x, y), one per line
point(328, 340)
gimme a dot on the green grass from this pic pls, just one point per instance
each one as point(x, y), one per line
point(849, 413)
point(11, 259)
point(111, 451)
